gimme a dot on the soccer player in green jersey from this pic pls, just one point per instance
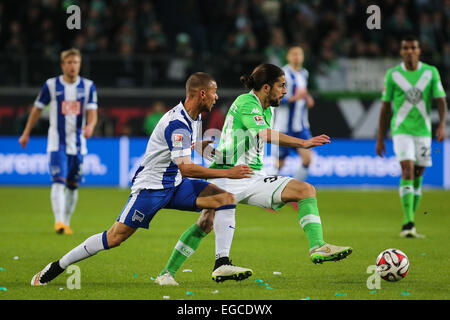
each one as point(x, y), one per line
point(409, 90)
point(244, 135)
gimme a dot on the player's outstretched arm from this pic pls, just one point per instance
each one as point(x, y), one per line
point(31, 122)
point(279, 138)
point(192, 170)
point(385, 115)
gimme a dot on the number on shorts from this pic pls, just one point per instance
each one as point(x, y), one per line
point(426, 152)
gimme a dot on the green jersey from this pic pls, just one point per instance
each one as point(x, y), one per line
point(412, 93)
point(239, 142)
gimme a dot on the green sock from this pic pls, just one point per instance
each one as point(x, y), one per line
point(308, 215)
point(185, 247)
point(406, 191)
point(417, 191)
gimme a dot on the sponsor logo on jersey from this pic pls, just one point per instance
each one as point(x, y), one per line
point(259, 120)
point(256, 110)
point(177, 140)
point(70, 108)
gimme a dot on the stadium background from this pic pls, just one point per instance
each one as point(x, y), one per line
point(139, 54)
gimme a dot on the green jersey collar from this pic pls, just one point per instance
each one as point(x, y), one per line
point(419, 65)
point(257, 99)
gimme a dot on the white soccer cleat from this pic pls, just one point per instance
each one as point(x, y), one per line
point(166, 279)
point(329, 252)
point(35, 281)
point(230, 272)
point(411, 233)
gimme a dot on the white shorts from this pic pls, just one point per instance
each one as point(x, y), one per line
point(260, 190)
point(417, 149)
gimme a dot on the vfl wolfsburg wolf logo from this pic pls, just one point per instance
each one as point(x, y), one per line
point(414, 95)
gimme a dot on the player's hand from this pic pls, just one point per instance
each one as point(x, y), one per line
point(23, 140)
point(88, 131)
point(316, 141)
point(440, 132)
point(380, 148)
point(309, 101)
point(300, 93)
point(240, 171)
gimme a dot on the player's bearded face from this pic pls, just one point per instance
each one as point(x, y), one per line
point(277, 92)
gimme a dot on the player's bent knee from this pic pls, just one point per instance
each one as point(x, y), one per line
point(306, 190)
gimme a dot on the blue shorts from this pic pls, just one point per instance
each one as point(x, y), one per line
point(305, 134)
point(142, 207)
point(65, 167)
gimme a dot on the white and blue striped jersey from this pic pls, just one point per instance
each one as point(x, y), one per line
point(292, 117)
point(174, 137)
point(68, 103)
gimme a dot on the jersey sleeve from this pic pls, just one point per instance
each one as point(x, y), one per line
point(92, 98)
point(179, 138)
point(437, 89)
point(388, 89)
point(43, 98)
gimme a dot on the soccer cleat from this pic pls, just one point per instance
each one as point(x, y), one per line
point(59, 227)
point(50, 272)
point(409, 231)
point(225, 270)
point(329, 252)
point(67, 230)
point(166, 279)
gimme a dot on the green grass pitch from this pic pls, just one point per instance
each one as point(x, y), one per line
point(369, 221)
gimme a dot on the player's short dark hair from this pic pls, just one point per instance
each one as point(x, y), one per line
point(265, 73)
point(198, 81)
point(410, 37)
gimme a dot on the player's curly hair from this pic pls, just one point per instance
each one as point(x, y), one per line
point(265, 73)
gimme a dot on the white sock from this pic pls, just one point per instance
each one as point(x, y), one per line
point(57, 198)
point(224, 225)
point(88, 248)
point(301, 173)
point(71, 201)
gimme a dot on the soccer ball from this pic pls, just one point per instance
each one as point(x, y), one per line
point(392, 265)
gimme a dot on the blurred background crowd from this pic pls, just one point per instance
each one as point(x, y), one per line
point(157, 43)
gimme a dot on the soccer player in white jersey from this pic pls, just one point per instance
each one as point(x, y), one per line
point(291, 117)
point(162, 181)
point(409, 90)
point(72, 102)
